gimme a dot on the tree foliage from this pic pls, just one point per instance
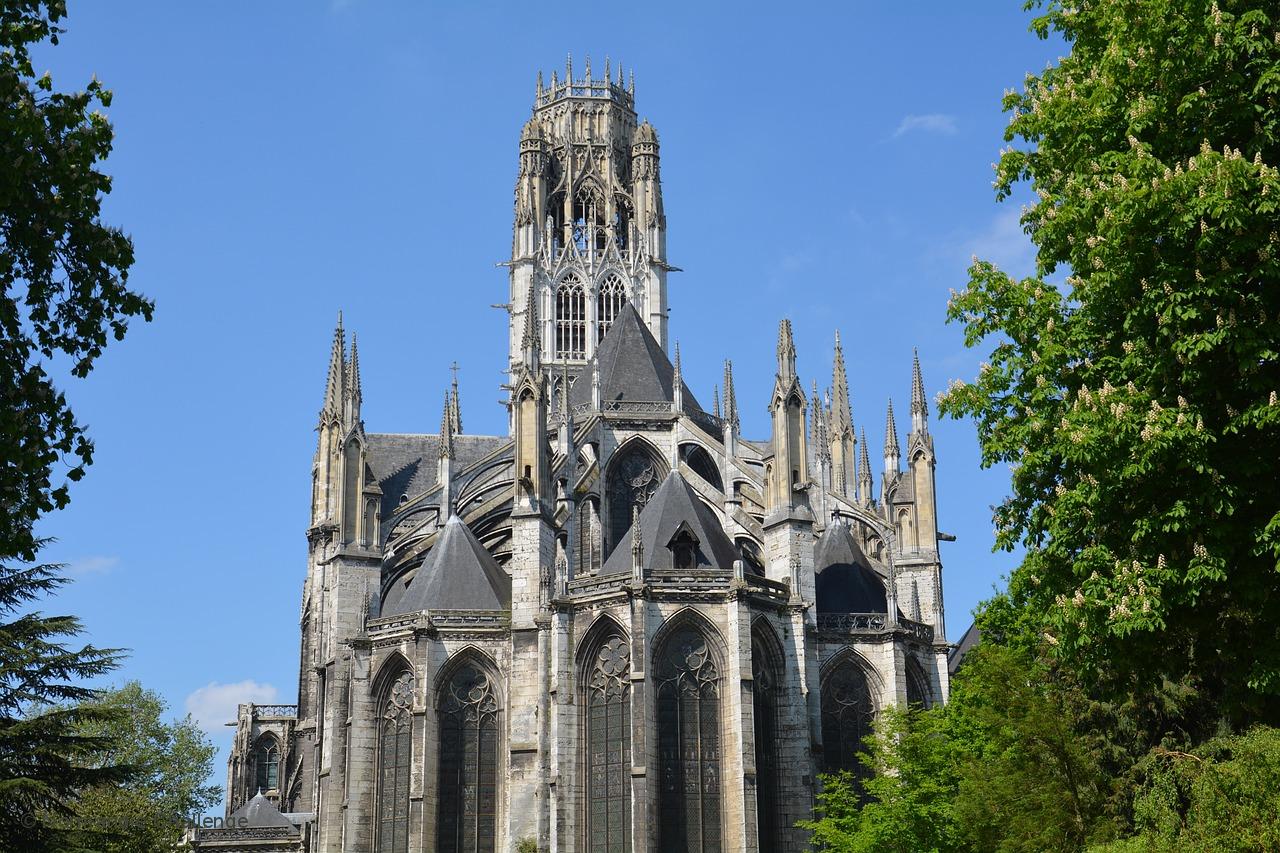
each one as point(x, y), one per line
point(169, 761)
point(62, 271)
point(1137, 401)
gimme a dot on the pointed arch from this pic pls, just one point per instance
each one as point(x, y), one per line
point(918, 693)
point(266, 763)
point(604, 679)
point(394, 688)
point(634, 472)
point(688, 668)
point(571, 317)
point(611, 295)
point(700, 462)
point(468, 709)
point(848, 687)
point(767, 672)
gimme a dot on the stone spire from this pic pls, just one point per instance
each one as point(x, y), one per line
point(530, 341)
point(865, 484)
point(786, 352)
point(818, 421)
point(892, 449)
point(455, 405)
point(730, 398)
point(919, 405)
point(353, 374)
point(334, 388)
point(715, 401)
point(446, 428)
point(841, 412)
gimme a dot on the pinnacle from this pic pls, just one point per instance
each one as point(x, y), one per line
point(919, 405)
point(353, 371)
point(891, 445)
point(730, 397)
point(446, 429)
point(841, 411)
point(335, 383)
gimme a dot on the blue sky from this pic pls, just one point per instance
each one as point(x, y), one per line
point(277, 162)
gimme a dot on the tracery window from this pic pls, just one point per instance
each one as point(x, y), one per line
point(608, 748)
point(394, 746)
point(688, 745)
point(917, 689)
point(571, 318)
point(588, 219)
point(633, 479)
point(266, 764)
point(847, 713)
point(612, 296)
point(764, 702)
point(468, 763)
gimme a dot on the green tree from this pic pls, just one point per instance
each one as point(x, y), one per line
point(1137, 401)
point(169, 761)
point(62, 293)
point(907, 803)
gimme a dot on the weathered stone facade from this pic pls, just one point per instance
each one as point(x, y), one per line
point(624, 626)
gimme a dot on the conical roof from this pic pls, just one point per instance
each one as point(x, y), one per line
point(846, 583)
point(672, 508)
point(633, 366)
point(260, 813)
point(458, 574)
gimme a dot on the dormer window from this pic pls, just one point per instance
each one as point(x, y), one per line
point(684, 548)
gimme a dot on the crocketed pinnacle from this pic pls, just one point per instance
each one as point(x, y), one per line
point(529, 341)
point(919, 405)
point(334, 392)
point(891, 445)
point(353, 372)
point(446, 429)
point(730, 397)
point(864, 465)
point(786, 351)
point(841, 411)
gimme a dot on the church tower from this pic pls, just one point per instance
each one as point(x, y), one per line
point(590, 233)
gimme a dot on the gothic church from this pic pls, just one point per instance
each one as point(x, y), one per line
point(622, 627)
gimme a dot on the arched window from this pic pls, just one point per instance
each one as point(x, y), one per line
point(613, 295)
point(588, 219)
point(764, 702)
point(588, 551)
point(571, 318)
point(847, 713)
point(622, 219)
point(688, 745)
point(917, 685)
point(468, 762)
point(266, 764)
point(633, 478)
point(394, 745)
point(608, 748)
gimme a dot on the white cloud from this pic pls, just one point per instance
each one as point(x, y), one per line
point(96, 565)
point(928, 123)
point(214, 705)
point(1005, 244)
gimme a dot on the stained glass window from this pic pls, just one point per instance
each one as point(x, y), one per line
point(468, 763)
point(765, 706)
point(688, 746)
point(633, 478)
point(571, 318)
point(266, 762)
point(847, 713)
point(394, 745)
point(613, 295)
point(608, 753)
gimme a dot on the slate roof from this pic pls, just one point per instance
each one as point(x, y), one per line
point(459, 574)
point(260, 813)
point(970, 639)
point(408, 464)
point(846, 583)
point(673, 505)
point(633, 366)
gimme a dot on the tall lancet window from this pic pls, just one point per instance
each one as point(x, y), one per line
point(847, 713)
point(688, 746)
point(394, 745)
point(468, 763)
point(613, 295)
point(764, 704)
point(266, 764)
point(608, 748)
point(571, 318)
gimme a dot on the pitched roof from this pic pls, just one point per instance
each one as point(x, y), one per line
point(672, 507)
point(633, 366)
point(260, 813)
point(459, 574)
point(846, 583)
point(409, 464)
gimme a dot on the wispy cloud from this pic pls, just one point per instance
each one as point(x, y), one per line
point(928, 123)
point(1004, 244)
point(214, 705)
point(96, 565)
